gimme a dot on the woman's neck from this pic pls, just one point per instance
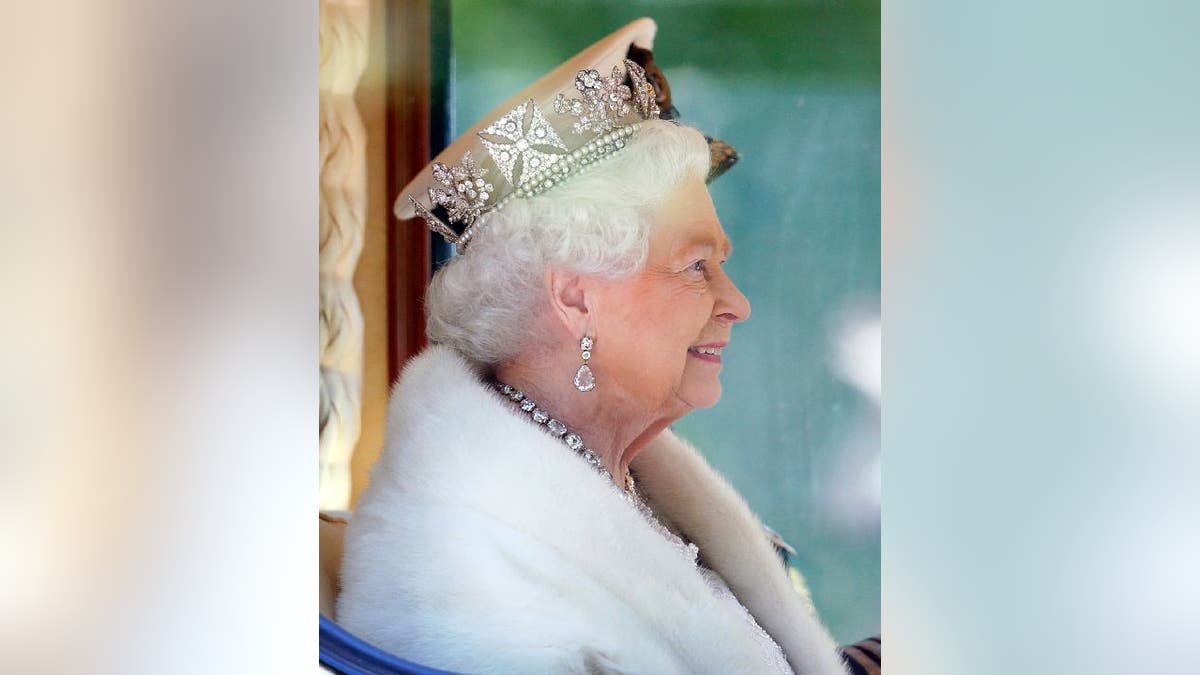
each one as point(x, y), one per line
point(610, 425)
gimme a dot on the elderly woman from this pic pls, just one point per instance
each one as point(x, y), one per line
point(532, 511)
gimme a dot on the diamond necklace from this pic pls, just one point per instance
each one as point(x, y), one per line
point(688, 550)
point(560, 430)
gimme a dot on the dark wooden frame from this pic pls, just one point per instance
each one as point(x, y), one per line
point(408, 151)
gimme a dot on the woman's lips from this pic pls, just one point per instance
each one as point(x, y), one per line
point(710, 352)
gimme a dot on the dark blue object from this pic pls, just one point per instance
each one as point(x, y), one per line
point(343, 653)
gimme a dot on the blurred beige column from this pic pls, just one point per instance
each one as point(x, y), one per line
point(343, 140)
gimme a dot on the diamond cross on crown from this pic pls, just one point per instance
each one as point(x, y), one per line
point(522, 134)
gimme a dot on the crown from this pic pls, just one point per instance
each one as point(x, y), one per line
point(530, 155)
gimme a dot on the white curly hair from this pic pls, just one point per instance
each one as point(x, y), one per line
point(597, 224)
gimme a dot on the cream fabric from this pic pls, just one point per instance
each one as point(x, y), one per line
point(602, 56)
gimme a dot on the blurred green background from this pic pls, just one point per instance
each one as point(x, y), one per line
point(795, 87)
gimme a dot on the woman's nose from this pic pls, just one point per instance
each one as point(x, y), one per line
point(732, 305)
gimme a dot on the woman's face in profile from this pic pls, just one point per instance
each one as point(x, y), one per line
point(660, 326)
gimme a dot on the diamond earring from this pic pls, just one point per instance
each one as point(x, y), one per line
point(584, 379)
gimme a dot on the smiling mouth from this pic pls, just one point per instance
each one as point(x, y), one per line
point(711, 354)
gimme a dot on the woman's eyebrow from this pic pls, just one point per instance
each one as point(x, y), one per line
point(695, 243)
point(707, 242)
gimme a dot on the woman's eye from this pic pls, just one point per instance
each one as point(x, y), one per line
point(698, 266)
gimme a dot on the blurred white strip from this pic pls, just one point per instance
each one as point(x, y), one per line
point(859, 355)
point(1151, 296)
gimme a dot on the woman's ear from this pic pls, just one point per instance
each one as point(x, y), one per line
point(569, 300)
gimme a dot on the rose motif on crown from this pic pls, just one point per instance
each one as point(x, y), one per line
point(603, 101)
point(462, 189)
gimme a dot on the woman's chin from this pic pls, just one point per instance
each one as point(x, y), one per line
point(705, 396)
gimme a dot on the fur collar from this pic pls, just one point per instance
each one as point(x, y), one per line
point(483, 545)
